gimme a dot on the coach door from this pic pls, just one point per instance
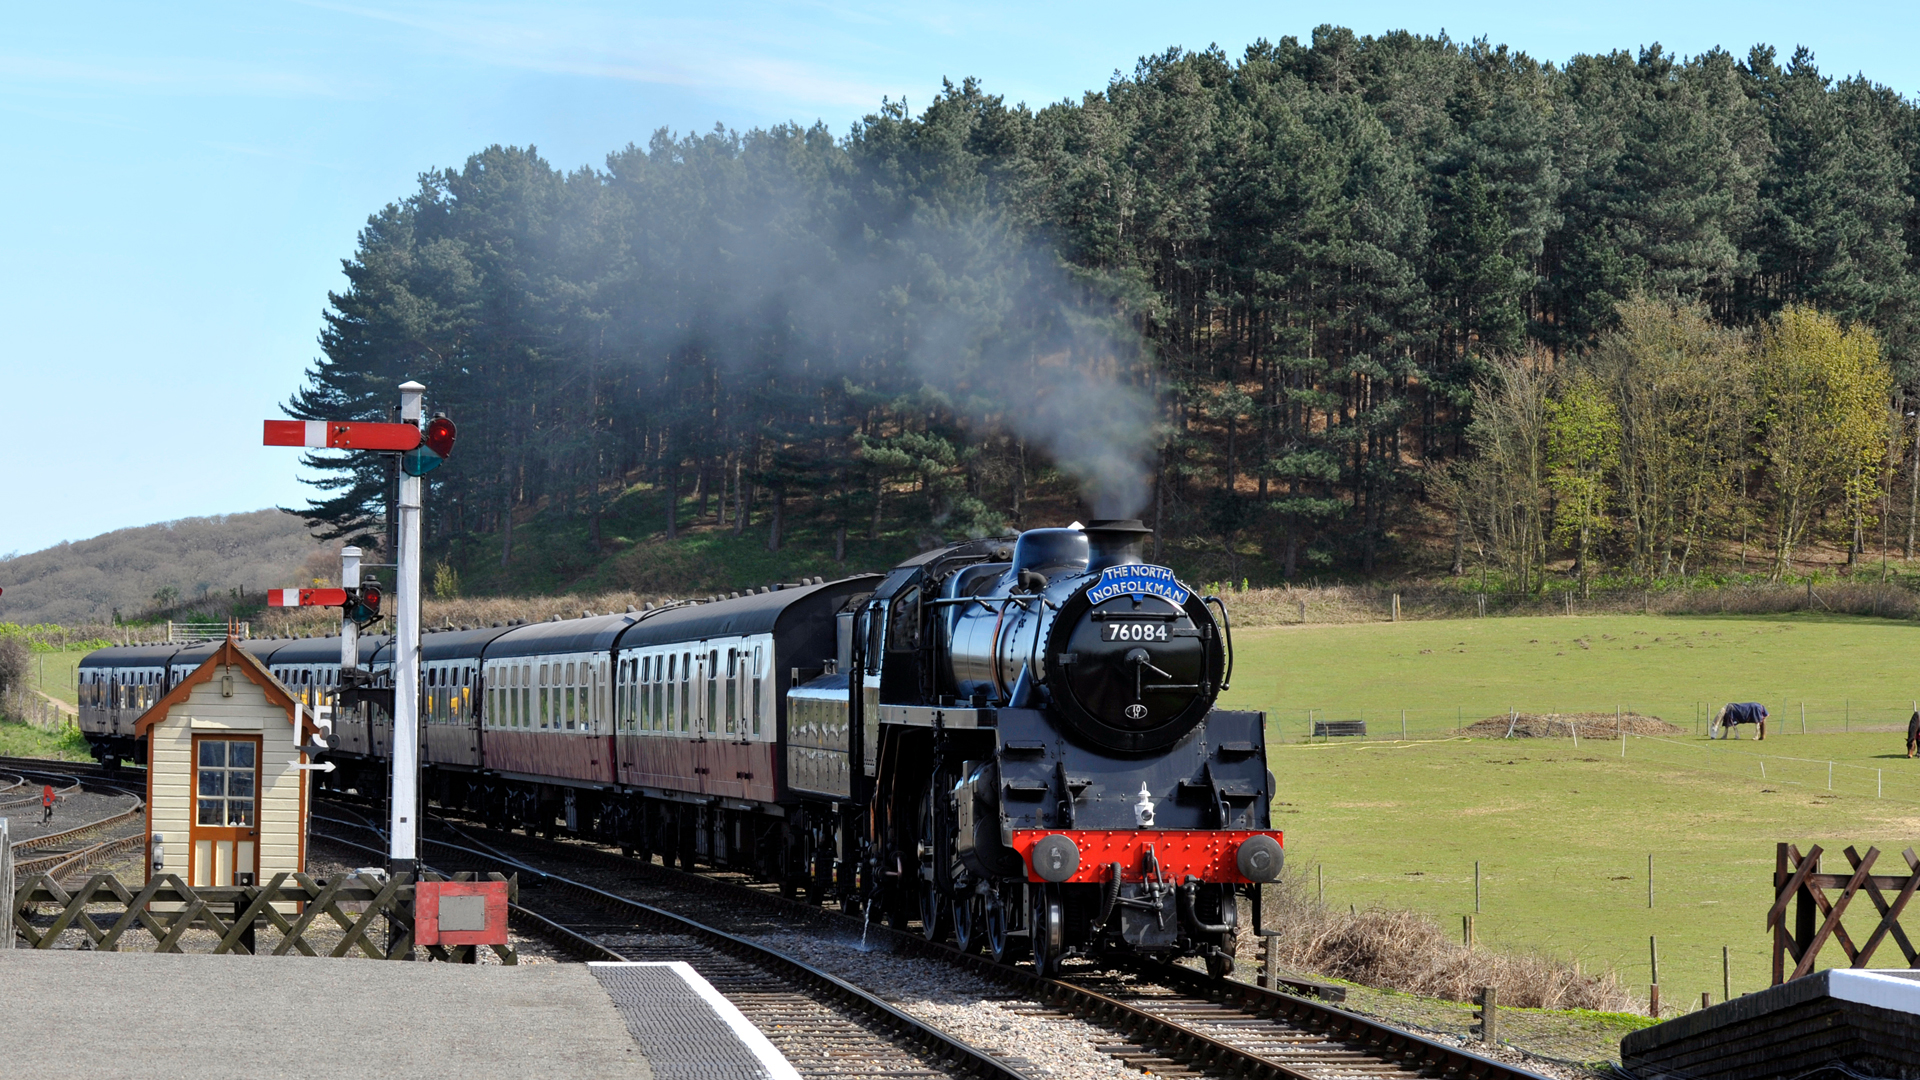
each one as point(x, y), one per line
point(226, 824)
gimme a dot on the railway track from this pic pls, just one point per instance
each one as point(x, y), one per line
point(827, 1028)
point(72, 777)
point(1162, 1018)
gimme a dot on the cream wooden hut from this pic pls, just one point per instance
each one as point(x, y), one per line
point(222, 789)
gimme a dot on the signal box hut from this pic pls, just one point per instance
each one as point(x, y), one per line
point(223, 791)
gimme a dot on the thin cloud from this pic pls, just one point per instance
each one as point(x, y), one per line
point(690, 53)
point(185, 76)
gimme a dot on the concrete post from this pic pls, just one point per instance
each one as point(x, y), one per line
point(403, 847)
point(349, 630)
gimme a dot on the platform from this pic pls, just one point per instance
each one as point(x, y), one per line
point(84, 1015)
point(1867, 1021)
point(684, 1027)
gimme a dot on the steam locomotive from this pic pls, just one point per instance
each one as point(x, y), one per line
point(1008, 742)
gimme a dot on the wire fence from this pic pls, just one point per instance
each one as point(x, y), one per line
point(1789, 716)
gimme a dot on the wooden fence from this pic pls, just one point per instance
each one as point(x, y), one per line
point(1797, 880)
point(357, 906)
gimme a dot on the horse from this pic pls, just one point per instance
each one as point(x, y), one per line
point(1733, 714)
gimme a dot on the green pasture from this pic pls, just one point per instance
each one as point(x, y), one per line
point(54, 673)
point(1847, 672)
point(1563, 835)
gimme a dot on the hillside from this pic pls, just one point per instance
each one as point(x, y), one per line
point(205, 561)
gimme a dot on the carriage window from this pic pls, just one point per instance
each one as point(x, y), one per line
point(733, 689)
point(686, 691)
point(713, 689)
point(546, 701)
point(756, 690)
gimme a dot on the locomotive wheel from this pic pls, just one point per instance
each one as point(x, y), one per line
point(935, 910)
point(969, 923)
point(1047, 929)
point(936, 913)
point(1000, 913)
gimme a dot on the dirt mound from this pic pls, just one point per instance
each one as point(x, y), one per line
point(1563, 725)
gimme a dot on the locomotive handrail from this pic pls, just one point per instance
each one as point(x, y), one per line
point(1226, 631)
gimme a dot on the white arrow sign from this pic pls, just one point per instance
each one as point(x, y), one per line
point(324, 766)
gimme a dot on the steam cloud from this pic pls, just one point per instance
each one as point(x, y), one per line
point(987, 321)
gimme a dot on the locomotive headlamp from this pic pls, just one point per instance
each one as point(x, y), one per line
point(1260, 858)
point(1055, 857)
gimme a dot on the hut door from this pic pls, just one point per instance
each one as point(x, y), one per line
point(226, 819)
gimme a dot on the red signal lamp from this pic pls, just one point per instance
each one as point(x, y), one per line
point(435, 444)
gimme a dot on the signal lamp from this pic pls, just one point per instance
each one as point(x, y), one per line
point(363, 605)
point(435, 444)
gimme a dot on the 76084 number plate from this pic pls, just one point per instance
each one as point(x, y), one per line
point(1133, 631)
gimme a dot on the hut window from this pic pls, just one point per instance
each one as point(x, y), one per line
point(225, 786)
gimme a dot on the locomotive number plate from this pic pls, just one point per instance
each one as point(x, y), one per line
point(1134, 631)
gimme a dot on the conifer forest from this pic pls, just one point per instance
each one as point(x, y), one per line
point(1328, 308)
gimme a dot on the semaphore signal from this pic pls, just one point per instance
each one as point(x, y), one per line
point(420, 452)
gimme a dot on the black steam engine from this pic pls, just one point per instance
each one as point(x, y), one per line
point(1048, 772)
point(1011, 741)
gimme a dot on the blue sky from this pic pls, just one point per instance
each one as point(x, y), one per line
point(182, 182)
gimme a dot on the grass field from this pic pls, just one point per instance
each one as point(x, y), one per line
point(53, 674)
point(1563, 835)
point(1847, 671)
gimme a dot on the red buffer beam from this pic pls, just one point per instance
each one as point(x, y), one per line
point(306, 597)
point(341, 435)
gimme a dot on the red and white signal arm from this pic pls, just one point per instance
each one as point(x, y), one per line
point(306, 597)
point(341, 435)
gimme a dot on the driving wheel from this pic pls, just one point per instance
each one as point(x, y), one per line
point(1047, 926)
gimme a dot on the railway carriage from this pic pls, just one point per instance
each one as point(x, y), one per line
point(1013, 742)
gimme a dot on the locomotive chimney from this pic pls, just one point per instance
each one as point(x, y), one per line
point(1115, 542)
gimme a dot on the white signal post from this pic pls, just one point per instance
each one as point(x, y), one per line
point(349, 630)
point(403, 844)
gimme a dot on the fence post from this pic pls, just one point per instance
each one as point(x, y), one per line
point(1466, 931)
point(1486, 1015)
point(1396, 607)
point(1270, 950)
point(1653, 991)
point(1403, 725)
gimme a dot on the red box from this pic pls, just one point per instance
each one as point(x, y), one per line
point(457, 899)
